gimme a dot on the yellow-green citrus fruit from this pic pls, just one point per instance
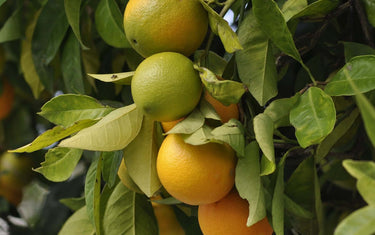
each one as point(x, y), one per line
point(229, 217)
point(15, 173)
point(166, 86)
point(195, 174)
point(6, 99)
point(153, 26)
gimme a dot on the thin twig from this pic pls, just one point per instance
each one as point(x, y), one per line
point(364, 23)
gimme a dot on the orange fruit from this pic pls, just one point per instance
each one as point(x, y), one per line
point(166, 87)
point(153, 26)
point(6, 100)
point(229, 217)
point(166, 219)
point(225, 112)
point(195, 174)
point(15, 173)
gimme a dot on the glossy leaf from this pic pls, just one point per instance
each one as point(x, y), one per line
point(108, 19)
point(92, 193)
point(292, 7)
point(48, 35)
point(78, 223)
point(248, 183)
point(128, 213)
point(278, 110)
point(140, 158)
point(326, 145)
point(118, 78)
point(69, 108)
point(27, 63)
point(221, 28)
point(71, 65)
point(256, 63)
point(360, 222)
point(313, 117)
point(360, 71)
point(226, 91)
point(72, 11)
point(119, 128)
point(59, 163)
point(317, 9)
point(12, 28)
point(53, 135)
point(263, 129)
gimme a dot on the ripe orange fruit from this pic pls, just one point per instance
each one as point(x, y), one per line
point(6, 100)
point(229, 216)
point(195, 174)
point(225, 112)
point(166, 86)
point(153, 26)
point(15, 173)
point(166, 218)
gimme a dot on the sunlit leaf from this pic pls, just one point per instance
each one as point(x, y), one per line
point(92, 192)
point(256, 63)
point(368, 115)
point(140, 158)
point(74, 203)
point(313, 117)
point(128, 213)
point(263, 129)
point(231, 133)
point(370, 11)
point(78, 223)
point(212, 61)
point(53, 135)
point(69, 108)
point(221, 28)
point(317, 9)
point(108, 19)
point(119, 78)
point(292, 7)
point(248, 183)
point(360, 71)
point(59, 163)
point(360, 222)
point(113, 132)
point(191, 123)
point(279, 109)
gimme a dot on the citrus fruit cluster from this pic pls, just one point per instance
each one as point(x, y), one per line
point(166, 87)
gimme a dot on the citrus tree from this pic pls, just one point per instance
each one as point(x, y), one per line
point(187, 117)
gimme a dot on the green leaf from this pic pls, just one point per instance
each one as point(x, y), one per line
point(118, 78)
point(53, 135)
point(360, 222)
point(110, 166)
point(263, 129)
point(278, 199)
point(74, 203)
point(78, 223)
point(317, 9)
point(256, 63)
point(59, 163)
point(92, 193)
point(360, 71)
point(71, 65)
point(279, 110)
point(370, 11)
point(140, 158)
point(2, 2)
point(72, 11)
point(12, 28)
point(208, 111)
point(266, 166)
point(108, 19)
point(368, 115)
point(248, 183)
point(231, 133)
point(326, 145)
point(48, 35)
point(296, 209)
point(190, 124)
point(364, 172)
point(119, 128)
point(353, 49)
point(68, 108)
point(27, 63)
point(200, 136)
point(128, 213)
point(212, 61)
point(313, 117)
point(221, 28)
point(226, 91)
point(292, 7)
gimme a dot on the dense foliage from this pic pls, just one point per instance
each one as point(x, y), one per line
point(303, 72)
